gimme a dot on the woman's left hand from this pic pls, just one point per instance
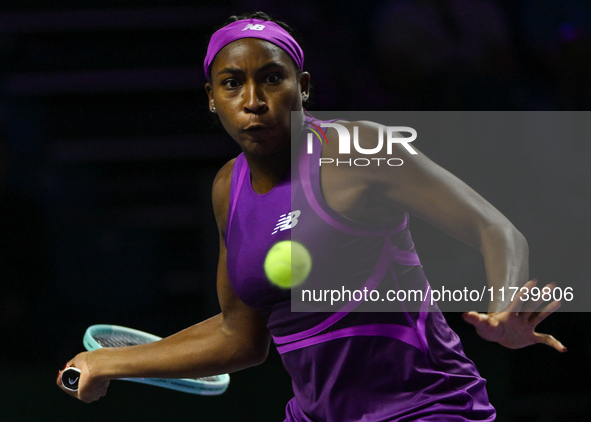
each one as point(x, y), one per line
point(514, 327)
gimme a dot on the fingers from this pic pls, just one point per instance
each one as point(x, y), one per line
point(90, 388)
point(476, 319)
point(89, 395)
point(532, 305)
point(549, 340)
point(519, 299)
point(531, 311)
point(529, 299)
point(83, 393)
point(515, 326)
point(486, 326)
point(545, 312)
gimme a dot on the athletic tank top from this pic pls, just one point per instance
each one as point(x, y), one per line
point(404, 365)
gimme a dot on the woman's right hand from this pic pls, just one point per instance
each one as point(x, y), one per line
point(90, 386)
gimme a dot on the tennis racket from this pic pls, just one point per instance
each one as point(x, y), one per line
point(98, 336)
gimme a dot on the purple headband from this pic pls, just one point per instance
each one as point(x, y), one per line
point(253, 28)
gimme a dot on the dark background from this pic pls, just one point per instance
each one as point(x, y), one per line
point(107, 158)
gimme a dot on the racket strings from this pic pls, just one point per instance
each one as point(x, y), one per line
point(119, 340)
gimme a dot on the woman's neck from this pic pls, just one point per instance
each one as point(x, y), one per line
point(267, 171)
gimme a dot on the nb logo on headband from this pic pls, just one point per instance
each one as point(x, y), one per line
point(257, 27)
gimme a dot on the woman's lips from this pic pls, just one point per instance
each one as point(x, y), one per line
point(255, 127)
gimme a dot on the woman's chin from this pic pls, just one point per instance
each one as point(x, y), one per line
point(265, 150)
point(264, 147)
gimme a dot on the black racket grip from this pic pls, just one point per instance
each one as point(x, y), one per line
point(70, 378)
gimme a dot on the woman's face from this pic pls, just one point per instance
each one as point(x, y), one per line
point(254, 87)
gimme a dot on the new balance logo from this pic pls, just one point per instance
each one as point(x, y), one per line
point(287, 221)
point(257, 27)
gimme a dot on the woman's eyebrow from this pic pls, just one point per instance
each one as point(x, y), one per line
point(271, 65)
point(233, 70)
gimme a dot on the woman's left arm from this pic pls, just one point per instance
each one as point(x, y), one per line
point(431, 193)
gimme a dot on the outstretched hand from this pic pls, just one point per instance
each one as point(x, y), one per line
point(514, 327)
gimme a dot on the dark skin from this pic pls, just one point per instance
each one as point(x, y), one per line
point(254, 87)
point(253, 91)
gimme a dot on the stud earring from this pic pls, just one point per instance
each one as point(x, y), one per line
point(304, 97)
point(213, 109)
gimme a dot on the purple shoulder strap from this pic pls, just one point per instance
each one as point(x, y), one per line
point(238, 175)
point(305, 162)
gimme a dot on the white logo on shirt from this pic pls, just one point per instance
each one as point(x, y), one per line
point(287, 221)
point(257, 27)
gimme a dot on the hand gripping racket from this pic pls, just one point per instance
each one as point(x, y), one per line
point(98, 336)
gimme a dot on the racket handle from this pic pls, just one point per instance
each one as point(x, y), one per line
point(70, 378)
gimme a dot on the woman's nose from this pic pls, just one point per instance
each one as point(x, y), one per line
point(254, 101)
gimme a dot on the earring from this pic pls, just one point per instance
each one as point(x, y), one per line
point(304, 97)
point(213, 109)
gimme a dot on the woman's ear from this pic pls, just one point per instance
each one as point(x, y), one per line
point(304, 81)
point(209, 91)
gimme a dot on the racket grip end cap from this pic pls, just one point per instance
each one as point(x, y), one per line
point(70, 378)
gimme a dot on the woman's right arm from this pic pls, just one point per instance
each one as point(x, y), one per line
point(235, 339)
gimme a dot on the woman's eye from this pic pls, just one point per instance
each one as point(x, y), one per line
point(230, 83)
point(273, 78)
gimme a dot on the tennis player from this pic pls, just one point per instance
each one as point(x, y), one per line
point(345, 366)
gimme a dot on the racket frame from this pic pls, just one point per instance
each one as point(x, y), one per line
point(213, 386)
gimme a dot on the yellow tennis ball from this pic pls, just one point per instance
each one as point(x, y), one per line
point(288, 264)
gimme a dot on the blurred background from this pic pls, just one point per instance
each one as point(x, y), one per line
point(107, 157)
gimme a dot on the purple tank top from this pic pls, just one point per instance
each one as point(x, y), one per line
point(348, 365)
